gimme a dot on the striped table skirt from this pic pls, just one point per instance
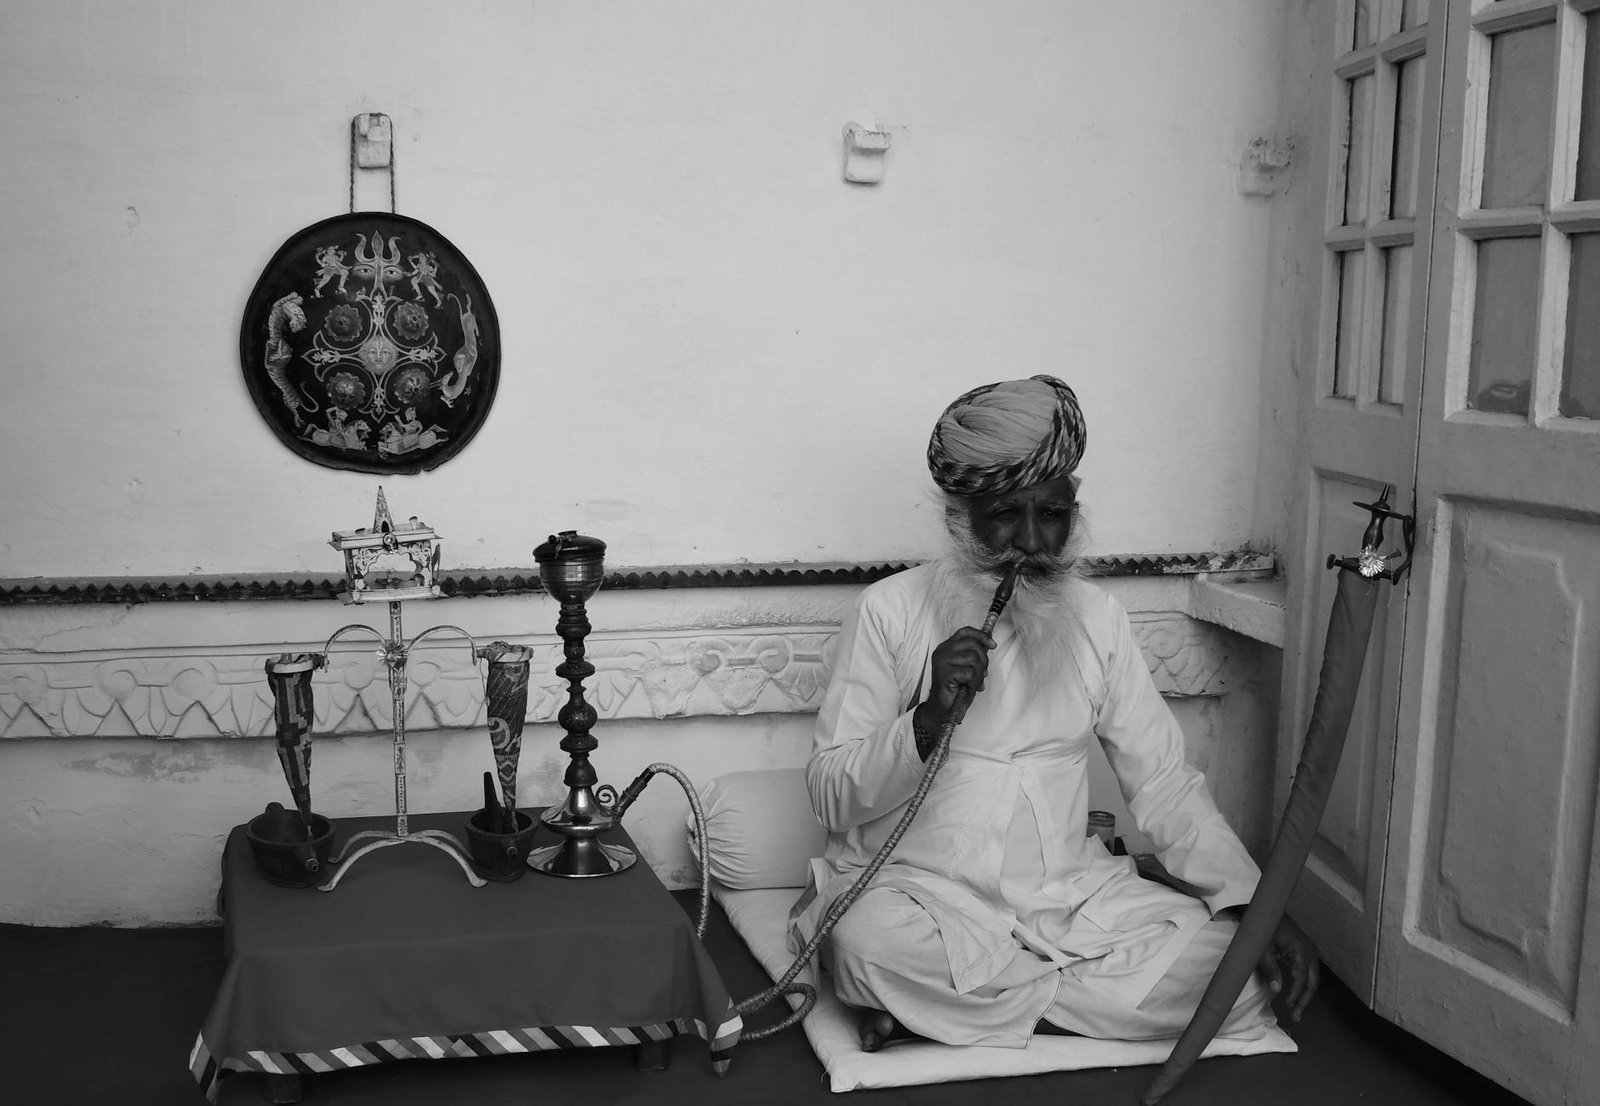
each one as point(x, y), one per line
point(406, 960)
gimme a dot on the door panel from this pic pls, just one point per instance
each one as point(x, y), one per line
point(1337, 898)
point(1381, 131)
point(1491, 902)
point(1511, 786)
point(1493, 878)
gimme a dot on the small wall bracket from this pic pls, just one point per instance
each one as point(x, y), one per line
point(864, 153)
point(372, 140)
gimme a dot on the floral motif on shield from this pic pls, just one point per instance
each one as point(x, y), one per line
point(371, 344)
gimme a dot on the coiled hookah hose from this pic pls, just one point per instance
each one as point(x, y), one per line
point(787, 985)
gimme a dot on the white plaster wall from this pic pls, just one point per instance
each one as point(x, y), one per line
point(709, 338)
point(714, 349)
point(1296, 258)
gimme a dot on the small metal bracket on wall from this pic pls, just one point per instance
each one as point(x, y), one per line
point(864, 150)
point(371, 147)
point(373, 135)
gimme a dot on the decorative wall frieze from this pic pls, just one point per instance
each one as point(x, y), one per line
point(525, 581)
point(1185, 656)
point(209, 693)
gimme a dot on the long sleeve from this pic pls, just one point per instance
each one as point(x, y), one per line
point(864, 762)
point(1168, 799)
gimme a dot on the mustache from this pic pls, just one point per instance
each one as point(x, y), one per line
point(1037, 568)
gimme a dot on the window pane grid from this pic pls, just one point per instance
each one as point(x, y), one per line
point(1580, 369)
point(1375, 200)
point(1515, 169)
point(1395, 347)
point(1406, 149)
point(1588, 168)
point(1504, 326)
point(1350, 270)
point(1364, 23)
point(1535, 314)
point(1358, 149)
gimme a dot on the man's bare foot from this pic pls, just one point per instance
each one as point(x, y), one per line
point(878, 1028)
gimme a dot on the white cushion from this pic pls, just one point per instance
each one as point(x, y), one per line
point(761, 917)
point(760, 830)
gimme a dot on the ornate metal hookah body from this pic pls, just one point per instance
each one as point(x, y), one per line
point(571, 569)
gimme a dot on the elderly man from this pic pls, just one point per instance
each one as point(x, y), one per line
point(996, 916)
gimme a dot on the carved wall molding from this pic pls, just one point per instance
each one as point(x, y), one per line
point(524, 581)
point(210, 693)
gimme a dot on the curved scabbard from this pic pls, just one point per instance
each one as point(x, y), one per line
point(1343, 656)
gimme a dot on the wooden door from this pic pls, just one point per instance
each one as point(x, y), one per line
point(1381, 141)
point(1490, 937)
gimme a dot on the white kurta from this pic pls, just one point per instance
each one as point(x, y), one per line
point(998, 855)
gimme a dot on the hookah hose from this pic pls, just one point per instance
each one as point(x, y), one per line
point(936, 759)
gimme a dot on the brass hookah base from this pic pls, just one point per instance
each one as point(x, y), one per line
point(581, 820)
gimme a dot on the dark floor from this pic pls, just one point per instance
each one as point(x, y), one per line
point(108, 1016)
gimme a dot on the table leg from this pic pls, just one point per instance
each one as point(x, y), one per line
point(652, 1055)
point(281, 1088)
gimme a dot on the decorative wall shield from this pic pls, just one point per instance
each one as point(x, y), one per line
point(370, 343)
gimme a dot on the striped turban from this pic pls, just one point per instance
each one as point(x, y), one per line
point(1001, 437)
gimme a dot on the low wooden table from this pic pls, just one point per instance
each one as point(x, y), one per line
point(406, 960)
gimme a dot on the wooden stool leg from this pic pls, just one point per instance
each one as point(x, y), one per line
point(281, 1088)
point(652, 1055)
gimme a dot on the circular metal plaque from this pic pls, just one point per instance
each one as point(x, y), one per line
point(370, 343)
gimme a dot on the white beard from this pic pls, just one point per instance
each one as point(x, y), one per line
point(1042, 610)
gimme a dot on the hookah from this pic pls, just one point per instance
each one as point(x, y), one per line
point(571, 568)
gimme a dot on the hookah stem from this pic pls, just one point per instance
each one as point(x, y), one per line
point(787, 985)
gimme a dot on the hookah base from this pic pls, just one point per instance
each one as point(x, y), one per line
point(581, 858)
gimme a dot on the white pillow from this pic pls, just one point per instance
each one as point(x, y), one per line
point(760, 829)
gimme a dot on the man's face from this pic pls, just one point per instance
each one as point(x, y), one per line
point(1030, 525)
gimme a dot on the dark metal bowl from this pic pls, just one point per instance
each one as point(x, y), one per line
point(500, 856)
point(292, 863)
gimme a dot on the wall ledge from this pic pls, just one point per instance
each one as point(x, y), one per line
point(1258, 609)
point(469, 582)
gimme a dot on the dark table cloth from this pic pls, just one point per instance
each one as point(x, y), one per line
point(404, 959)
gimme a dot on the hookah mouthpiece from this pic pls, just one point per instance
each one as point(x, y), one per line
point(1002, 596)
